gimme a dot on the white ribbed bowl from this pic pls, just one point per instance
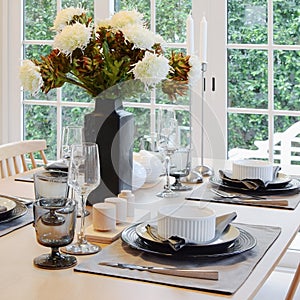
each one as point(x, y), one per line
point(190, 222)
point(252, 169)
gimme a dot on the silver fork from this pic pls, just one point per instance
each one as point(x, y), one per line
point(232, 195)
point(251, 199)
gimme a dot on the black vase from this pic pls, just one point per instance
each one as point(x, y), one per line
point(112, 128)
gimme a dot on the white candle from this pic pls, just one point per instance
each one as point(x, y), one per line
point(203, 40)
point(190, 35)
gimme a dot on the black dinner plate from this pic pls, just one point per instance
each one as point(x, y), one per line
point(244, 242)
point(9, 206)
point(280, 182)
point(292, 187)
point(19, 211)
point(222, 243)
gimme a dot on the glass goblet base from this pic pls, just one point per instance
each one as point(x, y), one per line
point(57, 262)
point(167, 193)
point(178, 186)
point(81, 248)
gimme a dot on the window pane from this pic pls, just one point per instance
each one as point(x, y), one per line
point(142, 125)
point(51, 96)
point(35, 51)
point(245, 129)
point(183, 118)
point(247, 21)
point(87, 4)
point(73, 93)
point(286, 22)
point(143, 6)
point(38, 19)
point(163, 98)
point(247, 78)
point(287, 80)
point(40, 123)
point(291, 142)
point(74, 115)
point(171, 19)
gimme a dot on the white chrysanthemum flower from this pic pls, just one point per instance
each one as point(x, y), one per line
point(65, 16)
point(141, 37)
point(72, 37)
point(151, 69)
point(103, 23)
point(123, 18)
point(195, 71)
point(30, 77)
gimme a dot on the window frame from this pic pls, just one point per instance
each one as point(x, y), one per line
point(12, 108)
point(215, 104)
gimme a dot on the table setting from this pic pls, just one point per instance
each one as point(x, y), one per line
point(187, 244)
point(204, 266)
point(14, 213)
point(209, 264)
point(274, 189)
point(156, 245)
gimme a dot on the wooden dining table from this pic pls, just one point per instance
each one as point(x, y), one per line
point(20, 279)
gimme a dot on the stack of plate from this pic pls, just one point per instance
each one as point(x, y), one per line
point(282, 184)
point(233, 241)
point(11, 210)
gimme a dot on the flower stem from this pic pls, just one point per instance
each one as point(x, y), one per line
point(72, 81)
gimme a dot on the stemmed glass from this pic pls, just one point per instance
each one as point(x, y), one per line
point(71, 135)
point(180, 167)
point(54, 223)
point(83, 177)
point(167, 145)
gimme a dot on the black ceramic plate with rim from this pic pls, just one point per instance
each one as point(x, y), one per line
point(222, 243)
point(9, 206)
point(291, 187)
point(243, 243)
point(19, 211)
point(280, 182)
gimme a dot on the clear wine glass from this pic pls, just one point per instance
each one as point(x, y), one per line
point(167, 145)
point(71, 135)
point(54, 223)
point(180, 167)
point(84, 176)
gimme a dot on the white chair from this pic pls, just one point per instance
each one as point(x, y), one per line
point(294, 285)
point(286, 149)
point(18, 157)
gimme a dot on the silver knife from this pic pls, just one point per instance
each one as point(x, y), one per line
point(236, 200)
point(192, 273)
point(25, 201)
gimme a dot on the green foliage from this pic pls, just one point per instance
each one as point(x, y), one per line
point(247, 69)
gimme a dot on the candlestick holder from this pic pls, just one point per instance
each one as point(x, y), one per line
point(197, 173)
point(202, 169)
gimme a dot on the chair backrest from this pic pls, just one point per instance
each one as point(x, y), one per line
point(19, 157)
point(286, 148)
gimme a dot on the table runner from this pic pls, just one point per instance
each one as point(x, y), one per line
point(8, 227)
point(203, 193)
point(233, 270)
